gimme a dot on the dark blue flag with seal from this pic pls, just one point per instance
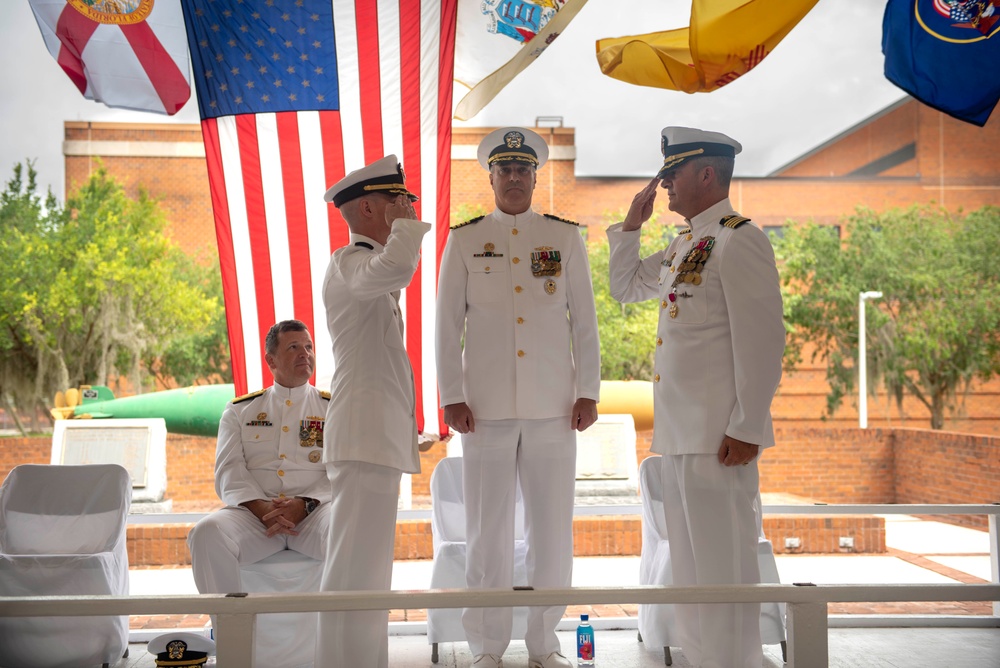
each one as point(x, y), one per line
point(945, 53)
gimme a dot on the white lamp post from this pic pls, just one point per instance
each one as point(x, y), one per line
point(863, 358)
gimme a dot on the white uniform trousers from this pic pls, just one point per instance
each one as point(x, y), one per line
point(362, 535)
point(540, 456)
point(231, 536)
point(712, 530)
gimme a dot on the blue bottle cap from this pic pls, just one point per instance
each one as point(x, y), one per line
point(584, 618)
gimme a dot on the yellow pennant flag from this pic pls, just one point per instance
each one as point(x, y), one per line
point(726, 39)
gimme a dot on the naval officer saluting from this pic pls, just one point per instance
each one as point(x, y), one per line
point(371, 434)
point(719, 344)
point(515, 284)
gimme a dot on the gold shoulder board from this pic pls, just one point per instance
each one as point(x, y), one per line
point(324, 394)
point(686, 230)
point(248, 396)
point(471, 221)
point(734, 221)
point(561, 220)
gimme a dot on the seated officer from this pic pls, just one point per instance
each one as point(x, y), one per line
point(268, 470)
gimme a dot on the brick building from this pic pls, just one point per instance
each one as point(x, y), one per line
point(907, 154)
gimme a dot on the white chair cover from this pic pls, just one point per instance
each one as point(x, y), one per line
point(62, 533)
point(284, 640)
point(448, 532)
point(655, 621)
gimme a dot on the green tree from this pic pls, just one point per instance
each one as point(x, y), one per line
point(627, 331)
point(936, 328)
point(92, 291)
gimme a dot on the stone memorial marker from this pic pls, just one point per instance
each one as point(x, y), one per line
point(140, 445)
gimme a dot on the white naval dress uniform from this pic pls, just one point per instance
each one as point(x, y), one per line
point(261, 454)
point(717, 366)
point(371, 437)
point(530, 351)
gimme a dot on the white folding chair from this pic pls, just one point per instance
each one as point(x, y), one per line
point(62, 533)
point(284, 640)
point(448, 571)
point(656, 621)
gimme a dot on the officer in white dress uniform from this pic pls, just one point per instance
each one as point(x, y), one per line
point(719, 345)
point(371, 437)
point(516, 285)
point(268, 470)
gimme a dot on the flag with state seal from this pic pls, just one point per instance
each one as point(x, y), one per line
point(130, 54)
point(945, 53)
point(495, 40)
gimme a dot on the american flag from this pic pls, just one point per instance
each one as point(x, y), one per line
point(293, 95)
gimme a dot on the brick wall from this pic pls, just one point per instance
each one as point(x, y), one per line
point(830, 465)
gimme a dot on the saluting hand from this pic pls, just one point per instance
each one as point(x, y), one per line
point(401, 207)
point(642, 207)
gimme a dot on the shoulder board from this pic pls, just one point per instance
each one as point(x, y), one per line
point(734, 221)
point(324, 394)
point(686, 230)
point(248, 396)
point(473, 221)
point(561, 220)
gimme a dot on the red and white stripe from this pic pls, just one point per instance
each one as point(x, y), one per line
point(268, 173)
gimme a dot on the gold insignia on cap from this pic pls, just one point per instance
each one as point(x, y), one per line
point(176, 649)
point(513, 139)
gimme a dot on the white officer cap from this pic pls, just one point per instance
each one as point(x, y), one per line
point(180, 648)
point(513, 145)
point(679, 144)
point(384, 175)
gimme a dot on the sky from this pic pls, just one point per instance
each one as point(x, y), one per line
point(823, 78)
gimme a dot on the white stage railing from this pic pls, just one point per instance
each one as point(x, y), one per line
point(236, 614)
point(807, 618)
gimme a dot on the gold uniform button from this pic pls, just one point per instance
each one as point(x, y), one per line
point(514, 231)
point(282, 456)
point(663, 303)
point(487, 270)
point(285, 428)
point(671, 270)
point(520, 321)
point(659, 341)
point(518, 288)
point(256, 436)
point(656, 379)
point(282, 473)
point(516, 260)
point(281, 496)
point(689, 237)
point(288, 402)
point(520, 353)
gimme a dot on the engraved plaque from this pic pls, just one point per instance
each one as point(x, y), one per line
point(127, 446)
point(606, 450)
point(139, 445)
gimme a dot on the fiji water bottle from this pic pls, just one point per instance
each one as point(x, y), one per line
point(585, 642)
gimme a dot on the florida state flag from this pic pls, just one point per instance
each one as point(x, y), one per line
point(125, 53)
